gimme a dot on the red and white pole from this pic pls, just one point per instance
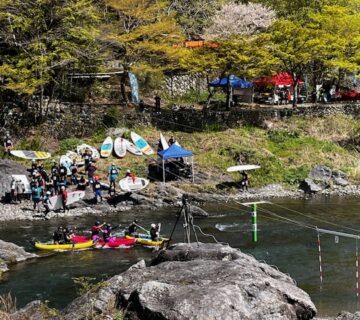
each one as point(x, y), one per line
point(320, 260)
point(357, 270)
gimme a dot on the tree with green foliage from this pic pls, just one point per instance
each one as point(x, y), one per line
point(328, 38)
point(146, 33)
point(41, 40)
point(194, 18)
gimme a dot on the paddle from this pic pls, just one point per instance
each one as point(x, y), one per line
point(147, 231)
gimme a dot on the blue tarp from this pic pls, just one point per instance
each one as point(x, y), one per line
point(235, 82)
point(174, 151)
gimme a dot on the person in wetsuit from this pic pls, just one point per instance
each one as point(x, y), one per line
point(153, 232)
point(132, 228)
point(95, 230)
point(58, 235)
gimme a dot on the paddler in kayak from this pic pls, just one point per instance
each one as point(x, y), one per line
point(96, 229)
point(107, 232)
point(154, 234)
point(132, 229)
point(58, 235)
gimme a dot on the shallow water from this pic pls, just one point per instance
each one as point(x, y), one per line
point(286, 244)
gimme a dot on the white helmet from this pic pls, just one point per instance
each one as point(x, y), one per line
point(128, 171)
point(153, 225)
point(48, 192)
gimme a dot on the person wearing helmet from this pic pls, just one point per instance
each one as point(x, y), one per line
point(64, 196)
point(96, 229)
point(113, 173)
point(132, 228)
point(58, 235)
point(153, 232)
point(130, 175)
point(46, 202)
point(107, 232)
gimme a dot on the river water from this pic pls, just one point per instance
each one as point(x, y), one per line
point(290, 244)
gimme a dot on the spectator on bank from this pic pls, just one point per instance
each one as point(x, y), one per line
point(157, 104)
point(8, 145)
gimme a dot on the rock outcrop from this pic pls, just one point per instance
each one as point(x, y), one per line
point(209, 281)
point(11, 253)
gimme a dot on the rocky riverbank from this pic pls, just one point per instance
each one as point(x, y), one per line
point(162, 196)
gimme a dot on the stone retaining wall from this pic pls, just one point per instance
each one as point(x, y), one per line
point(77, 120)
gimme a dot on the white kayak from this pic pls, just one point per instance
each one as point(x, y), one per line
point(129, 184)
point(66, 162)
point(244, 167)
point(55, 202)
point(120, 147)
point(132, 148)
point(163, 142)
point(141, 143)
point(106, 147)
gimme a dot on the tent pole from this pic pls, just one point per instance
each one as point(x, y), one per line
point(163, 167)
point(192, 169)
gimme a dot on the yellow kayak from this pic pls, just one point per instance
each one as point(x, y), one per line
point(65, 246)
point(146, 240)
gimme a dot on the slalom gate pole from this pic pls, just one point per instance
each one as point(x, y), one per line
point(357, 269)
point(320, 260)
point(254, 222)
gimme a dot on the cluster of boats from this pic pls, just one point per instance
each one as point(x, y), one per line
point(79, 242)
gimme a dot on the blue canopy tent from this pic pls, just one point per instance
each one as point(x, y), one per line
point(175, 151)
point(234, 82)
point(241, 89)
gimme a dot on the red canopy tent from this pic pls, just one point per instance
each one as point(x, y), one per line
point(280, 79)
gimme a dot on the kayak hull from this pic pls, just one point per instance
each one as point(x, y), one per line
point(101, 244)
point(146, 240)
point(67, 246)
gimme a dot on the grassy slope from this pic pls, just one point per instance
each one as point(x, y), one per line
point(286, 153)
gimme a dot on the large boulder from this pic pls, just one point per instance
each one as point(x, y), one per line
point(320, 173)
point(309, 186)
point(205, 281)
point(7, 168)
point(11, 253)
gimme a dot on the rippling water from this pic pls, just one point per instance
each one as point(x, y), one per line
point(291, 246)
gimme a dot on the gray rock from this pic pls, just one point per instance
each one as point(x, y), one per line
point(344, 315)
point(309, 186)
point(11, 253)
point(35, 310)
point(116, 132)
point(209, 281)
point(198, 212)
point(338, 174)
point(320, 173)
point(7, 168)
point(341, 182)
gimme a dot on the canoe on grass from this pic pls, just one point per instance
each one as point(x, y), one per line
point(120, 147)
point(114, 242)
point(106, 147)
point(141, 143)
point(65, 246)
point(145, 240)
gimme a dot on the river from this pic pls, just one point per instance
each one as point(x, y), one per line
point(290, 244)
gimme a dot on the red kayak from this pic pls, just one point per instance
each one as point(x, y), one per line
point(113, 242)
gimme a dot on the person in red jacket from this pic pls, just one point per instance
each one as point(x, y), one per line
point(64, 196)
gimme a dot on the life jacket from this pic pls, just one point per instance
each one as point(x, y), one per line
point(113, 171)
point(95, 230)
point(62, 170)
point(97, 186)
